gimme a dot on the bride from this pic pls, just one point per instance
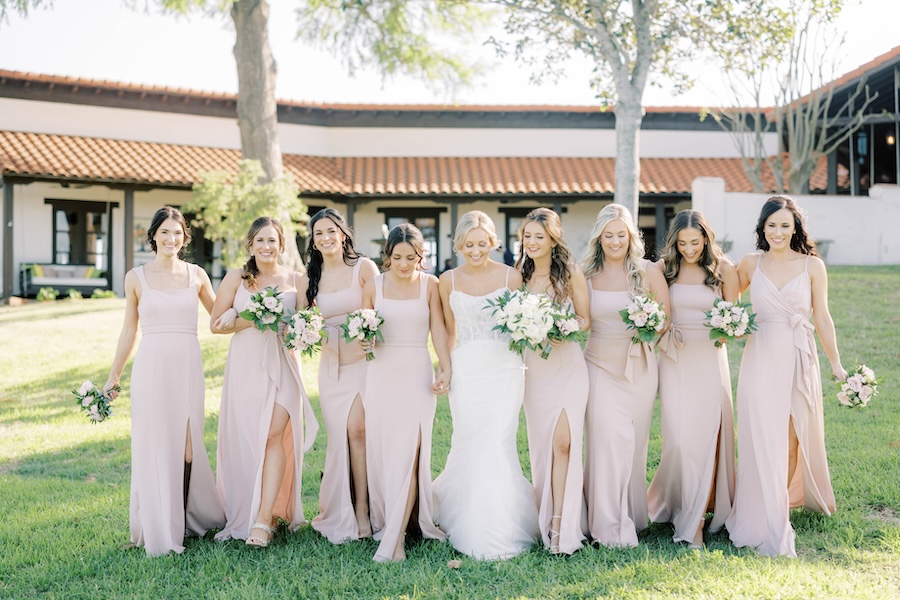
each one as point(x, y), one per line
point(482, 499)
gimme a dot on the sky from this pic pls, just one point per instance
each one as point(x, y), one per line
point(104, 39)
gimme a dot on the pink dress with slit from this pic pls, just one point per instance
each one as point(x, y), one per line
point(342, 378)
point(167, 391)
point(260, 373)
point(697, 418)
point(553, 385)
point(400, 410)
point(623, 380)
point(780, 384)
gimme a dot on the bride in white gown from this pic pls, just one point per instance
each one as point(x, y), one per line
point(482, 499)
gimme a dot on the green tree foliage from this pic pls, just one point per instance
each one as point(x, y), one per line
point(413, 37)
point(19, 7)
point(227, 203)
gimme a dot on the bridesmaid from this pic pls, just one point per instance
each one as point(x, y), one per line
point(696, 470)
point(261, 438)
point(623, 380)
point(400, 393)
point(173, 492)
point(781, 426)
point(556, 389)
point(337, 275)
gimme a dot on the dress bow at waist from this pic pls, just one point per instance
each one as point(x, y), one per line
point(804, 350)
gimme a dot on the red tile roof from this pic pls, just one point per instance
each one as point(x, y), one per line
point(73, 158)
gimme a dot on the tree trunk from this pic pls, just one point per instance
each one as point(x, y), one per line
point(628, 164)
point(256, 107)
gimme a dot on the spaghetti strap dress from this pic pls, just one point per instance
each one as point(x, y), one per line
point(697, 420)
point(259, 373)
point(623, 380)
point(167, 391)
point(400, 410)
point(780, 385)
point(342, 377)
point(553, 385)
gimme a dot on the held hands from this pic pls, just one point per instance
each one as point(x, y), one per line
point(441, 385)
point(226, 321)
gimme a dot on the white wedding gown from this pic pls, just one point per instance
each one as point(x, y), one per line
point(482, 499)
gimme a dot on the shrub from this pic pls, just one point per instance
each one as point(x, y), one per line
point(46, 294)
point(98, 293)
point(74, 294)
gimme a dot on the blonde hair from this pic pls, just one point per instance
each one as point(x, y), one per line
point(561, 264)
point(474, 219)
point(592, 261)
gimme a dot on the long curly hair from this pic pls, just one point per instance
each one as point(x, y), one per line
point(592, 261)
point(711, 258)
point(314, 257)
point(800, 240)
point(560, 255)
point(250, 271)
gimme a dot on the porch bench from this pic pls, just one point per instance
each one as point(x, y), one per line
point(83, 278)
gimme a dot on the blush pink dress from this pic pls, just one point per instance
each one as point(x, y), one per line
point(399, 411)
point(623, 380)
point(260, 373)
point(780, 384)
point(342, 377)
point(167, 391)
point(697, 419)
point(553, 385)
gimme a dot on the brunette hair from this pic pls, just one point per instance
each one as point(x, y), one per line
point(168, 212)
point(560, 254)
point(314, 257)
point(711, 257)
point(403, 233)
point(592, 261)
point(800, 241)
point(249, 271)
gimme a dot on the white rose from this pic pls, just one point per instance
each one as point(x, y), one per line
point(844, 399)
point(86, 387)
point(640, 319)
point(270, 302)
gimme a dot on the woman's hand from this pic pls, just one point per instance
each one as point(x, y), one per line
point(368, 346)
point(226, 321)
point(556, 343)
point(441, 385)
point(110, 389)
point(838, 372)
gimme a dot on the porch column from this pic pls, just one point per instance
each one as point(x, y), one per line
point(128, 236)
point(454, 219)
point(350, 207)
point(8, 276)
point(660, 226)
point(831, 188)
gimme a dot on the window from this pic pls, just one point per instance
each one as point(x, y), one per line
point(428, 222)
point(81, 233)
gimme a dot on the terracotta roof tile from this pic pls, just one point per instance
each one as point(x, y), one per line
point(58, 157)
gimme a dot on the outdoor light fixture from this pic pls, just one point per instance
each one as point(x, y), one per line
point(890, 139)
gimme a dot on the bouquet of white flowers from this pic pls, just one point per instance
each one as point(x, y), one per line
point(265, 309)
point(526, 317)
point(566, 328)
point(363, 324)
point(305, 331)
point(645, 316)
point(860, 387)
point(729, 320)
point(94, 402)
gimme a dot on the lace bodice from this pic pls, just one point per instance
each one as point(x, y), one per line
point(474, 323)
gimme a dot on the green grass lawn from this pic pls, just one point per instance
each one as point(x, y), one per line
point(64, 486)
